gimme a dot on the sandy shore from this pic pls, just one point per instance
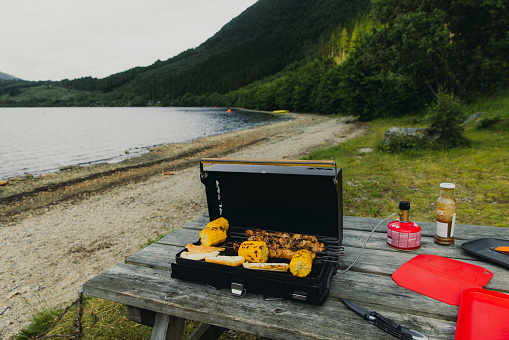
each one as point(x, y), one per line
point(59, 230)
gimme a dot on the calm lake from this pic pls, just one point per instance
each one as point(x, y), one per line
point(40, 140)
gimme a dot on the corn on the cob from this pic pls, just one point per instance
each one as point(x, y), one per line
point(212, 237)
point(301, 263)
point(221, 223)
point(254, 251)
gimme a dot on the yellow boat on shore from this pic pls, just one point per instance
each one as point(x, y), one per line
point(280, 112)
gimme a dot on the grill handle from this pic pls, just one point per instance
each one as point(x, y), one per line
point(286, 162)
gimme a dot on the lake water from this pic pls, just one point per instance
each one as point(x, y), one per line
point(40, 140)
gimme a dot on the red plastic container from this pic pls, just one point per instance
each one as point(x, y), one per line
point(404, 235)
point(483, 314)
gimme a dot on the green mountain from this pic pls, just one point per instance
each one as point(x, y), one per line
point(263, 40)
point(369, 59)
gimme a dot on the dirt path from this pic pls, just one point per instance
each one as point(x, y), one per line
point(59, 231)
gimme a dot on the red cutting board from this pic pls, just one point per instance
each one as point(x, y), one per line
point(440, 278)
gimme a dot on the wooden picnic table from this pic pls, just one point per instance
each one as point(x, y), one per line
point(144, 284)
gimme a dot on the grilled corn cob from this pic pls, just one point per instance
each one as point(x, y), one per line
point(210, 237)
point(301, 263)
point(254, 251)
point(221, 223)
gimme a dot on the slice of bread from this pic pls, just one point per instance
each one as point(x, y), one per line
point(192, 248)
point(233, 261)
point(279, 267)
point(198, 256)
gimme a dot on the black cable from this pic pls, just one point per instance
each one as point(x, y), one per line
point(364, 246)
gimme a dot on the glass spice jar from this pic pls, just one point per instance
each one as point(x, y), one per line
point(446, 215)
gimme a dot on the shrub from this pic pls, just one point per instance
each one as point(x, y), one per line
point(446, 116)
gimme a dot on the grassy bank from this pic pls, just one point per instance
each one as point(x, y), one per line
point(112, 323)
point(373, 185)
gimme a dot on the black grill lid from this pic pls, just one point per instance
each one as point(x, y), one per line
point(290, 196)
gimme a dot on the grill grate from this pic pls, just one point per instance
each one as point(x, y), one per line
point(330, 253)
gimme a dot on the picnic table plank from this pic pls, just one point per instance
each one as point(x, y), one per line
point(156, 255)
point(155, 290)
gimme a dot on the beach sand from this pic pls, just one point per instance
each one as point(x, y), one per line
point(59, 230)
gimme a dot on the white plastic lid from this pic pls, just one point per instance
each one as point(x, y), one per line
point(447, 186)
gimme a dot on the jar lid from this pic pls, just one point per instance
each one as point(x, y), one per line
point(447, 186)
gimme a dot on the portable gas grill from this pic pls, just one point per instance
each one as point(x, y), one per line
point(290, 196)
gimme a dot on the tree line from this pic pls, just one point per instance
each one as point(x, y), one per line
point(392, 61)
point(368, 59)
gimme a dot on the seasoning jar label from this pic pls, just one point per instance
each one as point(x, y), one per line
point(446, 229)
point(442, 229)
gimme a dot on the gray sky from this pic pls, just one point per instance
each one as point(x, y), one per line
point(58, 39)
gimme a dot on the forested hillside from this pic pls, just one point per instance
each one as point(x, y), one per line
point(393, 60)
point(378, 58)
point(260, 42)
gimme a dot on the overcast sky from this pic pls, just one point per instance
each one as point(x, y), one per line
point(58, 39)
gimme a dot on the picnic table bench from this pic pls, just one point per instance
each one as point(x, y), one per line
point(144, 284)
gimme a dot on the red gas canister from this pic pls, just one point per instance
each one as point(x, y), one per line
point(403, 234)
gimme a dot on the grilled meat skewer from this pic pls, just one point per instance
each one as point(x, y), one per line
point(285, 253)
point(259, 232)
point(288, 243)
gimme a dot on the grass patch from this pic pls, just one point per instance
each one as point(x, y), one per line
point(112, 324)
point(40, 323)
point(153, 240)
point(374, 183)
